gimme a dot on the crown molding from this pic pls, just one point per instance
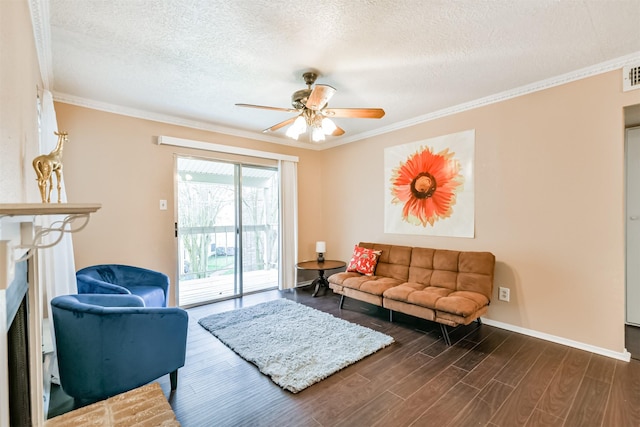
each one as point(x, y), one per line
point(166, 118)
point(580, 74)
point(42, 34)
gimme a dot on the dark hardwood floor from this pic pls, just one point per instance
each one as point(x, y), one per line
point(488, 377)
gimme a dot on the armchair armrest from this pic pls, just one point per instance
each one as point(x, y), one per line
point(98, 303)
point(110, 300)
point(138, 276)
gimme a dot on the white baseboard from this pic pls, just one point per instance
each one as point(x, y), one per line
point(624, 356)
point(304, 283)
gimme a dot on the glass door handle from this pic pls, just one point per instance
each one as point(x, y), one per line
point(634, 217)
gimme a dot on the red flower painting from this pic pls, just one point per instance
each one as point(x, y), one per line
point(427, 184)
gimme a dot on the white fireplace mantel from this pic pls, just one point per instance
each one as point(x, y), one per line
point(20, 238)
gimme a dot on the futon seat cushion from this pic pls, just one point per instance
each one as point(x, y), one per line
point(339, 278)
point(379, 285)
point(417, 293)
point(460, 303)
point(375, 285)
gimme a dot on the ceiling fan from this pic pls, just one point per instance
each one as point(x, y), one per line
point(313, 113)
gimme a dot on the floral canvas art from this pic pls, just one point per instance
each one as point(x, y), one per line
point(429, 186)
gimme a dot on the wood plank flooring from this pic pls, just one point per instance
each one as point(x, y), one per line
point(488, 377)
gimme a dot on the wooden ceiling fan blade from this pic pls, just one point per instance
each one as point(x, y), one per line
point(357, 113)
point(320, 95)
point(339, 131)
point(263, 107)
point(281, 124)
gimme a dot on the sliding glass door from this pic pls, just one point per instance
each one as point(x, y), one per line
point(227, 229)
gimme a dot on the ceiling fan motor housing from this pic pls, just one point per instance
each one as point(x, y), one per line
point(299, 98)
point(309, 78)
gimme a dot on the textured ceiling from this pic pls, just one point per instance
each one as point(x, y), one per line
point(191, 61)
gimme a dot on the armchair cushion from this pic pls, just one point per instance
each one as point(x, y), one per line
point(108, 343)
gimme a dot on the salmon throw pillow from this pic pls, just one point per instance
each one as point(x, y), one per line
point(364, 260)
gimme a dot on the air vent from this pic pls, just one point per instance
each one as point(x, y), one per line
point(631, 78)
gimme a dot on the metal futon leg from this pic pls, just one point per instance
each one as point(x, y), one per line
point(445, 334)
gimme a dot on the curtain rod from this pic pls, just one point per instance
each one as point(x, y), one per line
point(200, 145)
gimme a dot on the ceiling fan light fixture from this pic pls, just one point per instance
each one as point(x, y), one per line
point(328, 127)
point(291, 133)
point(311, 105)
point(298, 127)
point(317, 134)
point(300, 124)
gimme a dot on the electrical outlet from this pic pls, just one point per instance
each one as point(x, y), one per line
point(503, 294)
point(163, 205)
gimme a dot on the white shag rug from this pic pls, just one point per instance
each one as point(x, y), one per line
point(295, 345)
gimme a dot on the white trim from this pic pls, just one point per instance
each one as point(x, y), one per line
point(208, 146)
point(625, 356)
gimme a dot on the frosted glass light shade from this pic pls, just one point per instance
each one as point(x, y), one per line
point(300, 125)
point(317, 135)
point(328, 126)
point(321, 247)
point(291, 133)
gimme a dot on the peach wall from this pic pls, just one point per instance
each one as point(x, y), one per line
point(19, 82)
point(549, 204)
point(114, 160)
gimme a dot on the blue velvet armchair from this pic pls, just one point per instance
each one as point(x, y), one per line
point(109, 344)
point(151, 286)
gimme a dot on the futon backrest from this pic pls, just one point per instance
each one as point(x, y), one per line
point(455, 270)
point(394, 260)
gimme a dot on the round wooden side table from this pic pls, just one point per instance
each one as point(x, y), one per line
point(320, 267)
